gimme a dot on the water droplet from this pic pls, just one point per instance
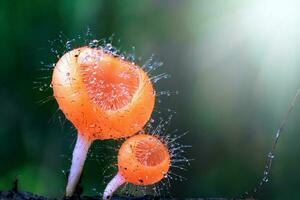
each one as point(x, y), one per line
point(69, 45)
point(265, 179)
point(271, 155)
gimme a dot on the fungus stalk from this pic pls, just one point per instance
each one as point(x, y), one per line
point(113, 185)
point(79, 155)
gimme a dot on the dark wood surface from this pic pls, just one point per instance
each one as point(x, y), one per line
point(15, 194)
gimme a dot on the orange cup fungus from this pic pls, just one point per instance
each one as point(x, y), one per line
point(142, 160)
point(104, 96)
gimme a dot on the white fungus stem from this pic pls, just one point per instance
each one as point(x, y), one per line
point(112, 186)
point(79, 155)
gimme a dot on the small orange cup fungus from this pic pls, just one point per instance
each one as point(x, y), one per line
point(104, 96)
point(142, 160)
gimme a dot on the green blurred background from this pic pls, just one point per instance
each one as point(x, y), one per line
point(236, 66)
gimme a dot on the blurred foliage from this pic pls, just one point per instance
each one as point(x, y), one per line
point(235, 80)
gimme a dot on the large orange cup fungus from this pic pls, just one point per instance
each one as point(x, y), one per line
point(142, 160)
point(104, 96)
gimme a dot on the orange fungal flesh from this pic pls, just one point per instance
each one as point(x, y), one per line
point(111, 85)
point(102, 95)
point(150, 152)
point(143, 160)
